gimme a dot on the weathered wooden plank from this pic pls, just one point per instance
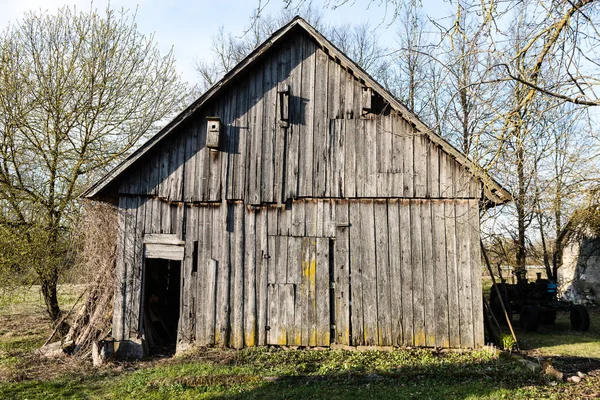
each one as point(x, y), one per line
point(177, 174)
point(293, 278)
point(211, 300)
point(274, 327)
point(461, 180)
point(348, 106)
point(185, 333)
point(272, 216)
point(417, 273)
point(202, 160)
point(463, 257)
point(237, 263)
point(269, 128)
point(361, 158)
point(250, 289)
point(396, 185)
point(281, 255)
point(164, 251)
point(164, 187)
point(280, 140)
point(369, 272)
point(295, 125)
point(338, 152)
point(130, 263)
point(478, 335)
point(420, 165)
point(226, 141)
point(433, 170)
point(408, 160)
point(221, 247)
point(239, 137)
point(320, 125)
point(311, 216)
point(320, 217)
point(305, 303)
point(356, 277)
point(441, 280)
point(341, 273)
point(370, 189)
point(385, 175)
point(334, 94)
point(166, 217)
point(120, 270)
point(262, 254)
point(307, 130)
point(165, 238)
point(350, 156)
point(310, 272)
point(284, 221)
point(406, 272)
point(214, 182)
point(192, 275)
point(256, 120)
point(328, 218)
point(288, 291)
point(202, 276)
point(333, 113)
point(322, 292)
point(295, 274)
point(395, 267)
point(382, 260)
point(451, 270)
point(428, 273)
point(153, 162)
point(298, 220)
point(445, 183)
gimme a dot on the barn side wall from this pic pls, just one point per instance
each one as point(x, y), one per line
point(311, 272)
point(340, 141)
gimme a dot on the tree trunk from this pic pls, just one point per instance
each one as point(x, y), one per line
point(49, 283)
point(520, 204)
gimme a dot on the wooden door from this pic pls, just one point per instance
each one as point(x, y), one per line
point(298, 292)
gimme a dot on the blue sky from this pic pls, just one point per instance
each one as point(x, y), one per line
point(189, 25)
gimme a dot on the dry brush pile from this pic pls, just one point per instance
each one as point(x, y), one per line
point(92, 321)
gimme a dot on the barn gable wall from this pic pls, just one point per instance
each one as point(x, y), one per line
point(331, 147)
point(342, 225)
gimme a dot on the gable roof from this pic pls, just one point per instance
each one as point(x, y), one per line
point(493, 191)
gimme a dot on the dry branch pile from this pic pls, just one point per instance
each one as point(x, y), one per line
point(93, 319)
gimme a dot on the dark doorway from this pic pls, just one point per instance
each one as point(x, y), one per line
point(161, 304)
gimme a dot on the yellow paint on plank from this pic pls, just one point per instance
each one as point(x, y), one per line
point(419, 339)
point(250, 339)
point(282, 340)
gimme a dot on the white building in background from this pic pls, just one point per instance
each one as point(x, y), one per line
point(579, 276)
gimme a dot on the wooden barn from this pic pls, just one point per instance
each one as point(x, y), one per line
point(297, 203)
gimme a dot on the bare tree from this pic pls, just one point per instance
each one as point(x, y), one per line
point(358, 41)
point(78, 90)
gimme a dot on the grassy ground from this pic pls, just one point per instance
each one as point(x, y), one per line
point(560, 340)
point(272, 373)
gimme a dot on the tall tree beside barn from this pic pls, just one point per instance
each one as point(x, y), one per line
point(78, 90)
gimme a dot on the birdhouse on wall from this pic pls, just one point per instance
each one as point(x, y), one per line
point(213, 132)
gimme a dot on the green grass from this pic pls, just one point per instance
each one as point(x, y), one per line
point(263, 373)
point(24, 325)
point(274, 374)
